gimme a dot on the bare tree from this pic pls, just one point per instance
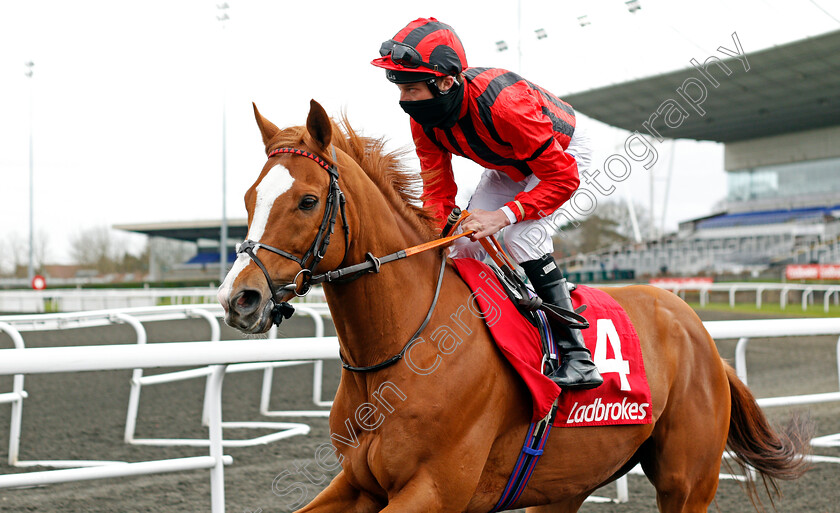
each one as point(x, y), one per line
point(17, 249)
point(161, 253)
point(41, 252)
point(609, 225)
point(5, 257)
point(617, 211)
point(98, 248)
point(107, 251)
point(15, 253)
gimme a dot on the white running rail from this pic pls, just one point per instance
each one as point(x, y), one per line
point(784, 289)
point(251, 355)
point(210, 313)
point(71, 300)
point(116, 357)
point(772, 328)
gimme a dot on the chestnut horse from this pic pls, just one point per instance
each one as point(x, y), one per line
point(446, 441)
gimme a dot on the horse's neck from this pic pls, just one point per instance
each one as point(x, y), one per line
point(376, 314)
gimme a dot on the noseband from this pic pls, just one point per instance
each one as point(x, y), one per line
point(335, 202)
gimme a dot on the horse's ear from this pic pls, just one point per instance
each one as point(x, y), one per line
point(318, 125)
point(267, 128)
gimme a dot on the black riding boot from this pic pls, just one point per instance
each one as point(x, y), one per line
point(576, 369)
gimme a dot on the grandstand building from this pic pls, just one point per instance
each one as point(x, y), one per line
point(779, 119)
point(204, 235)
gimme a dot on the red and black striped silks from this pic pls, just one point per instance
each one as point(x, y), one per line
point(509, 124)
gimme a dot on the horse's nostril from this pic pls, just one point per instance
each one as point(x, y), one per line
point(248, 301)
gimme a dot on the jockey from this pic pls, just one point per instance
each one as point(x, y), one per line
point(527, 140)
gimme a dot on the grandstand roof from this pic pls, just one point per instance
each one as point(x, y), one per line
point(788, 88)
point(797, 215)
point(190, 231)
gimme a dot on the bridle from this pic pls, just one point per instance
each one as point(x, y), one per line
point(335, 202)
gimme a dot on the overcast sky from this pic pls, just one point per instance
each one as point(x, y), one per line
point(128, 96)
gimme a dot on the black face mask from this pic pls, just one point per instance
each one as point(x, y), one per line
point(441, 111)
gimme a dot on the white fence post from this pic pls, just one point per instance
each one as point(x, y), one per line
point(217, 473)
point(741, 358)
point(134, 393)
point(16, 397)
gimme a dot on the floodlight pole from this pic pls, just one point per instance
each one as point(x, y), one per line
point(31, 268)
point(668, 182)
point(223, 18)
point(224, 232)
point(502, 46)
point(652, 203)
point(519, 36)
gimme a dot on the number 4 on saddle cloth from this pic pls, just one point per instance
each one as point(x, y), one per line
point(623, 398)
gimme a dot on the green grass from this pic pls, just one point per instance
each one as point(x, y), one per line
point(197, 300)
point(771, 308)
point(51, 306)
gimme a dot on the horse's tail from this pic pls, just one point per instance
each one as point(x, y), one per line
point(755, 444)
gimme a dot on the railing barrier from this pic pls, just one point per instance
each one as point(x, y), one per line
point(219, 357)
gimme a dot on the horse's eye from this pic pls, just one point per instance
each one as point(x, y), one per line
point(308, 203)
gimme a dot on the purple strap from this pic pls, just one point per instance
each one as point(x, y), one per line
point(534, 444)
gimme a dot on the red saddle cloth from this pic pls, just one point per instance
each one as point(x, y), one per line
point(624, 398)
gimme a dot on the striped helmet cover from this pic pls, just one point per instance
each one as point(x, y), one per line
point(436, 42)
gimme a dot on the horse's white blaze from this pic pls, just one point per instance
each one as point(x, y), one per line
point(276, 182)
point(224, 291)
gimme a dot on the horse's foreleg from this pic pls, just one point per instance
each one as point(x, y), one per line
point(424, 493)
point(341, 497)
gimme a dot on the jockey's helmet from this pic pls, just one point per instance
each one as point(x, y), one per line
point(423, 50)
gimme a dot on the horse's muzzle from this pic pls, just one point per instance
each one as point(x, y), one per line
point(251, 311)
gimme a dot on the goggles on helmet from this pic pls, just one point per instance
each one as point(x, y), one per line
point(404, 55)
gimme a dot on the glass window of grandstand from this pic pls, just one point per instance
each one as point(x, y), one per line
point(785, 180)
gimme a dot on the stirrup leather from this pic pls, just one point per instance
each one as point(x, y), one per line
point(572, 319)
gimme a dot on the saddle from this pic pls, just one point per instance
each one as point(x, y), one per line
point(528, 303)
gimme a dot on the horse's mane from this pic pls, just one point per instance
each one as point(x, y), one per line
point(400, 186)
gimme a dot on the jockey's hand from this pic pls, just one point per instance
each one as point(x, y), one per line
point(485, 223)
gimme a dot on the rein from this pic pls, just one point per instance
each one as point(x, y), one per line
point(397, 357)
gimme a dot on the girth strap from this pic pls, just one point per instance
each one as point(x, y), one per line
point(535, 439)
point(532, 449)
